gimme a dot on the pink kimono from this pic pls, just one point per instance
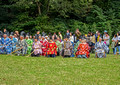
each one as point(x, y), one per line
point(37, 46)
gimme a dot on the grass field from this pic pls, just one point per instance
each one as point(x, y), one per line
point(20, 70)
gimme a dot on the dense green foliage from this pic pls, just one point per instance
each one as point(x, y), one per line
point(19, 70)
point(59, 15)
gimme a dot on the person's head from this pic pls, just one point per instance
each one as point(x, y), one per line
point(98, 33)
point(27, 37)
point(54, 33)
point(43, 38)
point(89, 33)
point(39, 37)
point(115, 35)
point(100, 39)
point(77, 29)
point(30, 37)
point(38, 32)
point(105, 31)
point(11, 36)
point(50, 39)
point(33, 37)
point(70, 34)
point(5, 35)
point(92, 33)
point(21, 37)
point(66, 39)
point(119, 33)
point(59, 33)
point(15, 35)
point(16, 32)
point(80, 40)
point(67, 31)
point(4, 30)
point(84, 41)
point(35, 40)
point(46, 37)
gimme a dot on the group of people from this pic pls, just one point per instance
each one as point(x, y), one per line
point(71, 45)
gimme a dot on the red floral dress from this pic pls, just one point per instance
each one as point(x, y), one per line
point(51, 48)
point(83, 49)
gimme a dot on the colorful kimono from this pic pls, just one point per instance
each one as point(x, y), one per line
point(44, 47)
point(67, 48)
point(29, 47)
point(72, 54)
point(101, 48)
point(76, 45)
point(5, 48)
point(21, 44)
point(83, 50)
point(37, 46)
point(51, 49)
point(13, 44)
point(59, 46)
point(0, 46)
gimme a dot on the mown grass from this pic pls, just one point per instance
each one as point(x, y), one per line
point(20, 70)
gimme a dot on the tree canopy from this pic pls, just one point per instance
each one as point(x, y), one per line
point(60, 15)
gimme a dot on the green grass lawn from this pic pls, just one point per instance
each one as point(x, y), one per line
point(20, 70)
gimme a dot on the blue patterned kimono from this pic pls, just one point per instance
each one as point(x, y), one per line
point(101, 48)
point(5, 48)
point(72, 54)
point(13, 44)
point(20, 44)
point(0, 46)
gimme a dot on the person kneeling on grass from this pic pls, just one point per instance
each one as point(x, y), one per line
point(83, 50)
point(37, 48)
point(21, 46)
point(101, 49)
point(67, 47)
point(51, 48)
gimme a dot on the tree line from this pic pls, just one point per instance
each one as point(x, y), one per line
point(60, 15)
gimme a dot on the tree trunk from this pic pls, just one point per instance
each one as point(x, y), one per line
point(39, 9)
point(48, 6)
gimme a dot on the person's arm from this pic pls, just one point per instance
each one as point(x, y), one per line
point(95, 46)
point(113, 39)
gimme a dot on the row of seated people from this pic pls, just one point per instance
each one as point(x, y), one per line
point(50, 47)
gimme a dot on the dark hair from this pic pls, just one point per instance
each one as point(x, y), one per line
point(71, 33)
point(115, 35)
point(119, 33)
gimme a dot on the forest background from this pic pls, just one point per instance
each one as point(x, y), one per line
point(60, 15)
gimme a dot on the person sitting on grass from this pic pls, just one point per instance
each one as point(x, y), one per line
point(29, 43)
point(67, 47)
point(37, 47)
point(59, 46)
point(21, 46)
point(5, 41)
point(51, 48)
point(83, 49)
point(101, 49)
point(13, 42)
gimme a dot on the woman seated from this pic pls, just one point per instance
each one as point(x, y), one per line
point(51, 48)
point(37, 48)
point(101, 49)
point(67, 48)
point(83, 50)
